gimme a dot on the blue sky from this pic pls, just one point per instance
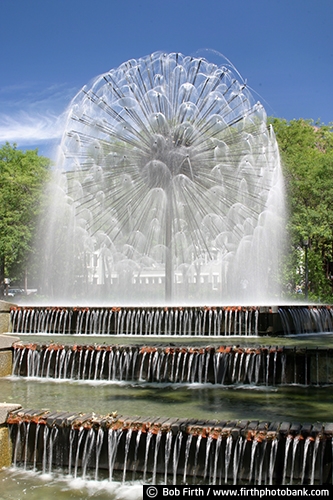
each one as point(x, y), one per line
point(50, 49)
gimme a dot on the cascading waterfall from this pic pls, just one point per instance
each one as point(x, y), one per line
point(157, 447)
point(187, 455)
point(294, 454)
point(253, 451)
point(217, 451)
point(306, 319)
point(114, 436)
point(223, 365)
point(272, 460)
point(172, 451)
point(167, 453)
point(183, 321)
point(307, 444)
point(149, 435)
point(80, 438)
point(197, 448)
point(99, 444)
point(286, 454)
point(261, 466)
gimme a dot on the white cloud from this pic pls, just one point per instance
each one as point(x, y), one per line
point(32, 115)
point(30, 128)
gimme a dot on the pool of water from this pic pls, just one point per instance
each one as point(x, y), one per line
point(16, 484)
point(201, 401)
point(306, 340)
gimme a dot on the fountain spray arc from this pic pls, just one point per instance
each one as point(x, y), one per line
point(170, 189)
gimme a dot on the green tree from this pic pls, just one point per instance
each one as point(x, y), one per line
point(307, 156)
point(22, 177)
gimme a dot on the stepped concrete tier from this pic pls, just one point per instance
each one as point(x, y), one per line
point(223, 365)
point(172, 450)
point(180, 321)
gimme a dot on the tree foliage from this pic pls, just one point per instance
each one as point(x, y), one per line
point(22, 177)
point(307, 157)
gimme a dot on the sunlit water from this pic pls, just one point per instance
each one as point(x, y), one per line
point(202, 401)
point(308, 340)
point(16, 484)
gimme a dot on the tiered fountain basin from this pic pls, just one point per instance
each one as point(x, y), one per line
point(211, 353)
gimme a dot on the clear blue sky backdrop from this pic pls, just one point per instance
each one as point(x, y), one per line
point(51, 48)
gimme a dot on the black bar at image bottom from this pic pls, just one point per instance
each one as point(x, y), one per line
point(206, 491)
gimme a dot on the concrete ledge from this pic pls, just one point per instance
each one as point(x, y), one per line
point(6, 363)
point(6, 354)
point(4, 322)
point(5, 307)
point(7, 341)
point(6, 447)
point(5, 409)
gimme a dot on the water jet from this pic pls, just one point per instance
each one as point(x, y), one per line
point(169, 191)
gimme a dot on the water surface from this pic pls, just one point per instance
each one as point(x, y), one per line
point(16, 484)
point(201, 401)
point(307, 340)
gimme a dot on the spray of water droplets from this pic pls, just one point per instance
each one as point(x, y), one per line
point(170, 189)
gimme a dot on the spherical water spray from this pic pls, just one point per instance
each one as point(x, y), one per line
point(171, 189)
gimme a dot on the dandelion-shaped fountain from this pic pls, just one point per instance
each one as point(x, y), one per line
point(170, 192)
